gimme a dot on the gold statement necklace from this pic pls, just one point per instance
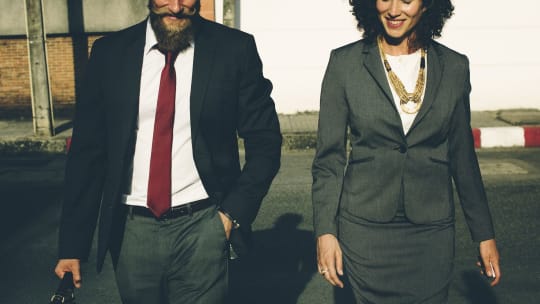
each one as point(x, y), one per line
point(410, 103)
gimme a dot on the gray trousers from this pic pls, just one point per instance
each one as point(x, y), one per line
point(181, 260)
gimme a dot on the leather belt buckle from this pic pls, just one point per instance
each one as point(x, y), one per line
point(187, 209)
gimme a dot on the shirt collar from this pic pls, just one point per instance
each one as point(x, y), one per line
point(151, 40)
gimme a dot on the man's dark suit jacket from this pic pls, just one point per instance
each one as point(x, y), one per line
point(386, 166)
point(229, 97)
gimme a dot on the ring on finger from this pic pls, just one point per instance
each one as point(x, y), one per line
point(324, 271)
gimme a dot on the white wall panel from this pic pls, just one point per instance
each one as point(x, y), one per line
point(295, 38)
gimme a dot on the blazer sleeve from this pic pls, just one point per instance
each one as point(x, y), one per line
point(85, 166)
point(258, 126)
point(465, 169)
point(330, 158)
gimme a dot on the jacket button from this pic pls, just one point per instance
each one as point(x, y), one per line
point(402, 149)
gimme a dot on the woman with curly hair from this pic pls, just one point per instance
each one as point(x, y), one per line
point(384, 213)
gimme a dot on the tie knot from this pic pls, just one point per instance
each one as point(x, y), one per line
point(170, 57)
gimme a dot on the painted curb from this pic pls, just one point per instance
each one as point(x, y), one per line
point(490, 137)
point(500, 137)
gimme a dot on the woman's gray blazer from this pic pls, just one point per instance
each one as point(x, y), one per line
point(386, 166)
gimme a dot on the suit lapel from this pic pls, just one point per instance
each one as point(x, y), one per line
point(374, 65)
point(203, 61)
point(435, 69)
point(129, 88)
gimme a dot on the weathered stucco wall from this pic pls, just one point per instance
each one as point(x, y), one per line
point(99, 15)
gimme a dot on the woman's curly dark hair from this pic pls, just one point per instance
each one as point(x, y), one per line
point(430, 25)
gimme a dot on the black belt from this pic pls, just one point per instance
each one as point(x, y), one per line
point(174, 212)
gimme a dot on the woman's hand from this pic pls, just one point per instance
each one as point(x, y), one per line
point(490, 257)
point(329, 259)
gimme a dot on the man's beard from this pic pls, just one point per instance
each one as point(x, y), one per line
point(172, 39)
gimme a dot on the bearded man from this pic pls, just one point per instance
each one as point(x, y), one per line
point(154, 156)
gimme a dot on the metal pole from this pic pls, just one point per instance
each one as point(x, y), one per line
point(39, 74)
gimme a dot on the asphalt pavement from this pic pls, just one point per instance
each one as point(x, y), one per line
point(282, 267)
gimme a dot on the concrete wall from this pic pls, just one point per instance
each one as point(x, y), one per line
point(99, 15)
point(500, 39)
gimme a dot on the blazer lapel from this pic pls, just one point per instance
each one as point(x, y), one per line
point(203, 61)
point(129, 88)
point(373, 63)
point(435, 69)
point(131, 70)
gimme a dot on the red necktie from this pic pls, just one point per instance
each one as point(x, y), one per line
point(159, 181)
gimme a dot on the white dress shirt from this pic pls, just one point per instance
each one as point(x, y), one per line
point(406, 67)
point(186, 183)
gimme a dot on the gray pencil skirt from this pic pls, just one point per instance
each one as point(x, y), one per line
point(397, 262)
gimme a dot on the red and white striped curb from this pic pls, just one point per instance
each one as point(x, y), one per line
point(493, 137)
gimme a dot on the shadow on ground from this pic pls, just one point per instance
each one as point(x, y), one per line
point(477, 289)
point(281, 264)
point(28, 192)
